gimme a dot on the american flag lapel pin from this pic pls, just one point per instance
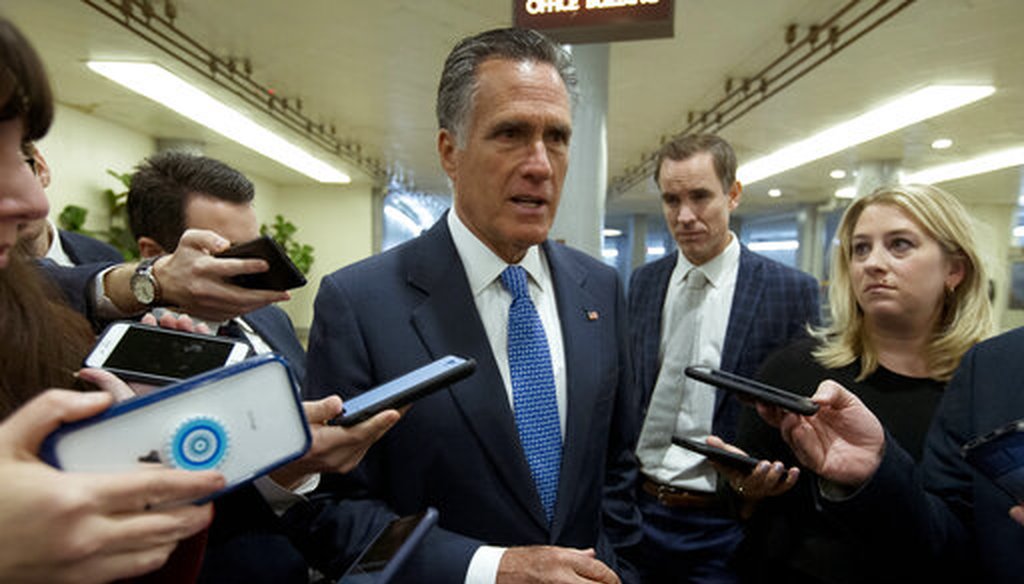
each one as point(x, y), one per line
point(592, 315)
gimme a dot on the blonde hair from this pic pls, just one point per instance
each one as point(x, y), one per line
point(967, 313)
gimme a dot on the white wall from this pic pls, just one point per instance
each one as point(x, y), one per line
point(79, 149)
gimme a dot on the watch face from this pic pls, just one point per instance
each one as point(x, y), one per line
point(143, 289)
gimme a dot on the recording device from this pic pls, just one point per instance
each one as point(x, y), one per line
point(158, 356)
point(383, 558)
point(999, 455)
point(754, 390)
point(405, 389)
point(282, 274)
point(733, 460)
point(244, 420)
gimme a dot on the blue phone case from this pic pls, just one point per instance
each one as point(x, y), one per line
point(244, 420)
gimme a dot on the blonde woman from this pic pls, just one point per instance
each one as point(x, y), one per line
point(909, 297)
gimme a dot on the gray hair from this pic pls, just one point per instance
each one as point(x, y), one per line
point(457, 89)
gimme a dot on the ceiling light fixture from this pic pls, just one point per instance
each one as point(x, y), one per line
point(941, 144)
point(162, 86)
point(609, 232)
point(838, 174)
point(899, 113)
point(970, 167)
point(846, 193)
point(774, 193)
point(779, 245)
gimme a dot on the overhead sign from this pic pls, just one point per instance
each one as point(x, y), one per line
point(596, 21)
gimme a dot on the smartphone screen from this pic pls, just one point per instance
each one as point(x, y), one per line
point(167, 355)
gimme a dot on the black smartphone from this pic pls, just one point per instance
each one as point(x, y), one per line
point(282, 274)
point(999, 455)
point(755, 390)
point(158, 356)
point(740, 462)
point(405, 389)
point(383, 558)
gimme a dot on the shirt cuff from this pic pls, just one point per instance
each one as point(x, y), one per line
point(104, 308)
point(281, 499)
point(483, 568)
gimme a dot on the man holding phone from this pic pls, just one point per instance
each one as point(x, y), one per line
point(172, 192)
point(715, 303)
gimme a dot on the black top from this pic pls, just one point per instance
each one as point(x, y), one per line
point(786, 539)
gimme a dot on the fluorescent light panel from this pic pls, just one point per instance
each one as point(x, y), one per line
point(979, 165)
point(161, 86)
point(899, 113)
point(779, 245)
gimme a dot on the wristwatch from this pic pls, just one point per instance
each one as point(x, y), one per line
point(143, 283)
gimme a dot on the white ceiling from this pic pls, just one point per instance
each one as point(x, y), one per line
point(370, 68)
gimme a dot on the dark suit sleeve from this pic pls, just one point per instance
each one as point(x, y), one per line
point(621, 516)
point(338, 517)
point(925, 512)
point(76, 285)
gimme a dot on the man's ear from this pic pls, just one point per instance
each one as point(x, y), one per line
point(447, 148)
point(735, 194)
point(148, 247)
point(42, 169)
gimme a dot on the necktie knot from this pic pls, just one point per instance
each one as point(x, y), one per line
point(696, 279)
point(514, 280)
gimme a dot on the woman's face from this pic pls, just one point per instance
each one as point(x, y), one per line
point(899, 273)
point(21, 196)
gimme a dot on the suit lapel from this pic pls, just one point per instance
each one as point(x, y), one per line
point(749, 289)
point(447, 322)
point(580, 343)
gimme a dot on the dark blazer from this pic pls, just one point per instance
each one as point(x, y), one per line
point(458, 450)
point(772, 305)
point(83, 249)
point(248, 542)
point(946, 516)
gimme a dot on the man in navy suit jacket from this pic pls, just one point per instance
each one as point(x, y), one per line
point(174, 191)
point(505, 122)
point(748, 307)
point(942, 520)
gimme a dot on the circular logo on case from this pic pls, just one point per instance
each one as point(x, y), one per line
point(199, 443)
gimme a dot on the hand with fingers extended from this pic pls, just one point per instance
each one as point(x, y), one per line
point(196, 281)
point(334, 448)
point(83, 527)
point(555, 565)
point(842, 443)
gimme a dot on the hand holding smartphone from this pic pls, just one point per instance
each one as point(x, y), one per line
point(282, 273)
point(405, 389)
point(244, 421)
point(754, 390)
point(158, 356)
point(733, 460)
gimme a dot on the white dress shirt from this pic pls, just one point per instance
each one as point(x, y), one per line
point(483, 271)
point(680, 467)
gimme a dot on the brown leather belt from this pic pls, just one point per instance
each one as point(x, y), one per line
point(675, 497)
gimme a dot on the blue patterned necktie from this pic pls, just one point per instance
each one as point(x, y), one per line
point(533, 389)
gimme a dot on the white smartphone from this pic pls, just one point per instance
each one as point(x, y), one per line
point(139, 352)
point(243, 420)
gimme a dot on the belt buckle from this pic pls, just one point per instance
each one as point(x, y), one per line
point(664, 492)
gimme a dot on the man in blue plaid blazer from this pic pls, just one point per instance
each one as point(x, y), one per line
point(746, 307)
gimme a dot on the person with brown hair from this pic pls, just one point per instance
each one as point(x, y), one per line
point(56, 526)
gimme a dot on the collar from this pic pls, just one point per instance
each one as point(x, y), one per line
point(482, 265)
point(716, 270)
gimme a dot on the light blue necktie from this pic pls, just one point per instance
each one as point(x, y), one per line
point(533, 389)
